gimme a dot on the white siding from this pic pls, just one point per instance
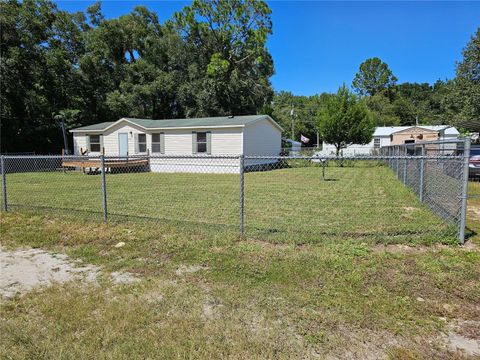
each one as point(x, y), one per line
point(356, 149)
point(224, 141)
point(110, 138)
point(227, 141)
point(262, 139)
point(195, 164)
point(79, 143)
point(179, 142)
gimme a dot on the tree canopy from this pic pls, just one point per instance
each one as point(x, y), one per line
point(345, 120)
point(208, 59)
point(467, 82)
point(373, 77)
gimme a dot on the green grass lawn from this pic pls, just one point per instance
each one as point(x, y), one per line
point(262, 296)
point(265, 300)
point(292, 205)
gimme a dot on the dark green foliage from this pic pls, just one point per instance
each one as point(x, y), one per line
point(207, 60)
point(305, 114)
point(454, 102)
point(373, 76)
point(345, 120)
point(467, 83)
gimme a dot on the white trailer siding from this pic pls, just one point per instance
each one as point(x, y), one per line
point(356, 149)
point(197, 164)
point(179, 142)
point(110, 138)
point(261, 137)
point(79, 143)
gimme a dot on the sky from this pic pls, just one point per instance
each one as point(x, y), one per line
point(317, 46)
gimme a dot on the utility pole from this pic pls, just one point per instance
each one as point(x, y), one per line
point(60, 118)
point(65, 141)
point(292, 114)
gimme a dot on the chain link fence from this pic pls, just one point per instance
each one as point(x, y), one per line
point(401, 195)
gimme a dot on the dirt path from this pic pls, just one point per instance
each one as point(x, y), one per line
point(24, 270)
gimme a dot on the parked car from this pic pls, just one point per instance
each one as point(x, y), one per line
point(474, 168)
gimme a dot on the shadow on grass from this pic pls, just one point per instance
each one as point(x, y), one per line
point(115, 218)
point(294, 235)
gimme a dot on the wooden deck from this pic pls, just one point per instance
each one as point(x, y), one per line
point(109, 164)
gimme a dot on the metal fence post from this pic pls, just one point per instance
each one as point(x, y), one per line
point(422, 174)
point(104, 188)
point(4, 184)
point(242, 191)
point(463, 214)
point(398, 161)
point(405, 166)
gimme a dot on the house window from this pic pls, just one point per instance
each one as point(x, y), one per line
point(201, 142)
point(94, 141)
point(158, 143)
point(142, 143)
point(376, 143)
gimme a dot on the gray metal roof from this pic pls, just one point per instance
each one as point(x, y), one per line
point(222, 121)
point(99, 126)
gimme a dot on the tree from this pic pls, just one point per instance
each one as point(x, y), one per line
point(382, 110)
point(373, 76)
point(39, 46)
point(230, 64)
point(467, 81)
point(345, 120)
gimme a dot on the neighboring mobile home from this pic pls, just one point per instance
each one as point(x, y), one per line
point(232, 135)
point(396, 135)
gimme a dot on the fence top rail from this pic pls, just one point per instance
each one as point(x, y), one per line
point(113, 157)
point(355, 157)
point(236, 157)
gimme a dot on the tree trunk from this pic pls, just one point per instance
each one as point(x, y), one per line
point(337, 152)
point(340, 162)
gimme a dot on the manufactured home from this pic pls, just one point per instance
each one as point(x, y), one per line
point(396, 135)
point(197, 140)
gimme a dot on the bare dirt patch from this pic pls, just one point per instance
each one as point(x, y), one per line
point(211, 308)
point(399, 249)
point(119, 277)
point(419, 249)
point(473, 212)
point(462, 336)
point(184, 269)
point(27, 269)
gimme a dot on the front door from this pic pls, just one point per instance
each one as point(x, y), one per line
point(123, 144)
